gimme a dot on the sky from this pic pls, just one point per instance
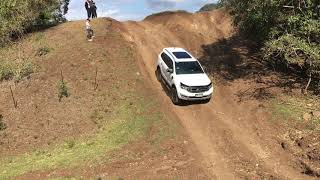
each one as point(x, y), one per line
point(123, 10)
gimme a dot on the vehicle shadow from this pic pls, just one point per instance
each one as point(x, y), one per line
point(167, 91)
point(236, 59)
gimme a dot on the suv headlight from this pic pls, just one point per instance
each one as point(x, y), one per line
point(183, 86)
point(210, 86)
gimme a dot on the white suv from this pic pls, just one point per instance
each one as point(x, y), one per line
point(183, 75)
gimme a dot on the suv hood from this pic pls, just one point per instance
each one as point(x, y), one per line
point(194, 79)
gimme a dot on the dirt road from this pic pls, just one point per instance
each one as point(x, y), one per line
point(234, 138)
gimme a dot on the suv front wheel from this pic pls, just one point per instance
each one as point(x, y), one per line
point(158, 74)
point(174, 96)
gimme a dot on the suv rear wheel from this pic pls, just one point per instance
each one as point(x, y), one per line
point(174, 96)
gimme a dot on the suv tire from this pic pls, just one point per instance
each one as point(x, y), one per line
point(158, 74)
point(174, 96)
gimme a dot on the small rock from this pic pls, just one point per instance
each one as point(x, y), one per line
point(316, 114)
point(309, 105)
point(165, 157)
point(105, 174)
point(307, 116)
point(163, 168)
point(284, 145)
point(138, 74)
point(181, 164)
point(185, 142)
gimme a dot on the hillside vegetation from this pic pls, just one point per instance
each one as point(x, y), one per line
point(19, 16)
point(210, 7)
point(287, 31)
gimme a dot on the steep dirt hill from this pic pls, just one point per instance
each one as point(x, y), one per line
point(229, 138)
point(110, 126)
point(232, 132)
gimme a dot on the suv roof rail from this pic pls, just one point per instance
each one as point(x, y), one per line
point(172, 56)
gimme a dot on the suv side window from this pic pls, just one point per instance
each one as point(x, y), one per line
point(170, 64)
point(167, 60)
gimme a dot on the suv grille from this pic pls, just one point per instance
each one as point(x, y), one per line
point(199, 89)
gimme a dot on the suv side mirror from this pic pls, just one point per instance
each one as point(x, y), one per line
point(170, 71)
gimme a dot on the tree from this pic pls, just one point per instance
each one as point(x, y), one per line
point(287, 30)
point(65, 6)
point(211, 6)
point(20, 16)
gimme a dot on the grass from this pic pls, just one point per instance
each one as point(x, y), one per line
point(16, 71)
point(130, 122)
point(290, 110)
point(17, 60)
point(42, 51)
point(39, 36)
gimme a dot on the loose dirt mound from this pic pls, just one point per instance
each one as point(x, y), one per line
point(231, 132)
point(192, 30)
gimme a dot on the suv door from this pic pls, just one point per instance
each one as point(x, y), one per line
point(170, 74)
point(164, 65)
point(168, 64)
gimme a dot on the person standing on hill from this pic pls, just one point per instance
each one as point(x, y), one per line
point(90, 2)
point(94, 10)
point(88, 8)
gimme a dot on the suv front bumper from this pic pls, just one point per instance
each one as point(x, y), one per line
point(186, 95)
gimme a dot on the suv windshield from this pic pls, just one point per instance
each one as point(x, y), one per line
point(181, 55)
point(190, 67)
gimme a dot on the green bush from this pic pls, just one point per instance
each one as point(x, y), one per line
point(6, 72)
point(287, 30)
point(210, 7)
point(63, 90)
point(15, 71)
point(23, 70)
point(19, 16)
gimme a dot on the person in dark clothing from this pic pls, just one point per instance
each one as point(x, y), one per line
point(94, 10)
point(88, 8)
point(90, 2)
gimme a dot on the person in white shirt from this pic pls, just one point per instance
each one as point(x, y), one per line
point(90, 33)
